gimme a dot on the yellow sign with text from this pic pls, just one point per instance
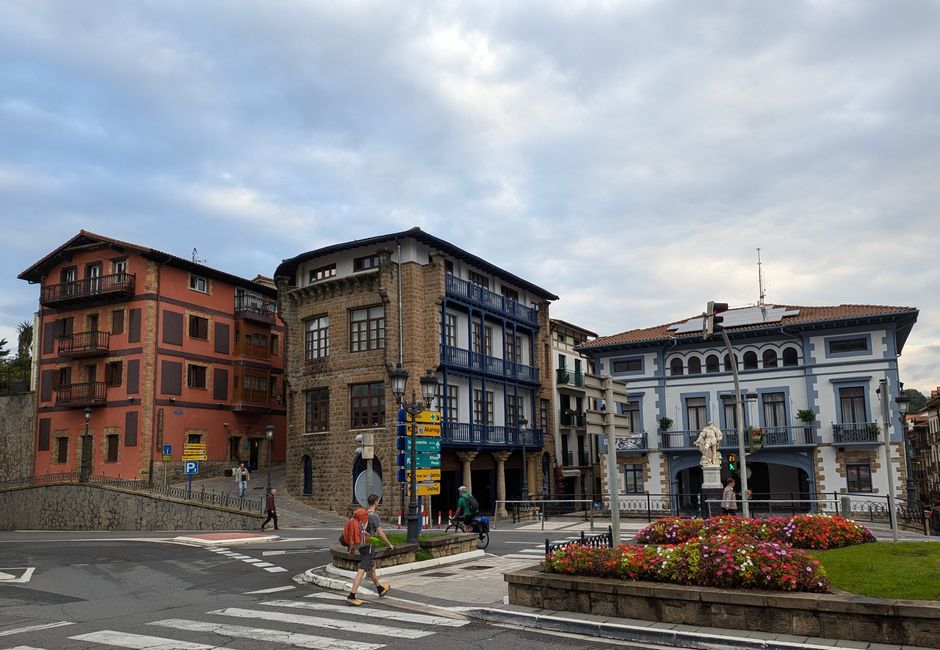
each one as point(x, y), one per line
point(428, 417)
point(424, 475)
point(428, 430)
point(428, 489)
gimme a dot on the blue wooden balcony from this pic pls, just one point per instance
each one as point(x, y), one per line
point(476, 295)
point(469, 360)
point(472, 436)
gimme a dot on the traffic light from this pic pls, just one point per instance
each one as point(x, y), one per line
point(732, 463)
point(712, 318)
point(365, 449)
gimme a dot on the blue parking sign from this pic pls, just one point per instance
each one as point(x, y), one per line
point(191, 467)
point(167, 450)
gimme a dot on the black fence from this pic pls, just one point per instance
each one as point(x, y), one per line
point(201, 496)
point(604, 540)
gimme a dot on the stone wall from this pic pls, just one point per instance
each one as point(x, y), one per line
point(831, 616)
point(96, 507)
point(17, 429)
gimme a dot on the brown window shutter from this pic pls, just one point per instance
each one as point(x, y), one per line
point(133, 327)
point(171, 378)
point(47, 383)
point(172, 327)
point(130, 429)
point(221, 338)
point(45, 427)
point(133, 376)
point(219, 384)
point(117, 321)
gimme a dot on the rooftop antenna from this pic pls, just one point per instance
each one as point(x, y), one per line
point(760, 281)
point(196, 259)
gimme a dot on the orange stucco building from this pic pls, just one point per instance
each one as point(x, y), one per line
point(138, 349)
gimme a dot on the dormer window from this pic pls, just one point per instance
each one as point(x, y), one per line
point(322, 273)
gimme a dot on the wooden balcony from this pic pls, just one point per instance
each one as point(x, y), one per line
point(467, 435)
point(494, 302)
point(88, 393)
point(88, 291)
point(84, 344)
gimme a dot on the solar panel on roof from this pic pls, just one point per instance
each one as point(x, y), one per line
point(738, 318)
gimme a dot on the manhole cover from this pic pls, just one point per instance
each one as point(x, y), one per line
point(476, 568)
point(439, 574)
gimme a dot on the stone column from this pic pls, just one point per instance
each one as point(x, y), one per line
point(501, 458)
point(467, 457)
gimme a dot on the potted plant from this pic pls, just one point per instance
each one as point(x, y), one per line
point(665, 423)
point(874, 429)
point(807, 417)
point(755, 437)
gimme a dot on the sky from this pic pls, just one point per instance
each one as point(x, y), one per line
point(630, 157)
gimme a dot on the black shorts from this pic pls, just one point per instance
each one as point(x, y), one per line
point(366, 558)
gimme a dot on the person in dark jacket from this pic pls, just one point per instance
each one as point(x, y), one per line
point(271, 506)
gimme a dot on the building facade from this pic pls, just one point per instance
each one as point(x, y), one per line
point(138, 349)
point(823, 361)
point(355, 310)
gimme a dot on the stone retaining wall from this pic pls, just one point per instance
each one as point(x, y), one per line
point(449, 544)
point(17, 426)
point(384, 557)
point(76, 506)
point(833, 616)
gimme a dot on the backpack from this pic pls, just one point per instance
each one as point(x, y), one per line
point(473, 503)
point(352, 532)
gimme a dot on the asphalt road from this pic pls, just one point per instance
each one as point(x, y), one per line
point(95, 590)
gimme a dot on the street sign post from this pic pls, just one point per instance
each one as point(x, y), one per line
point(190, 467)
point(194, 451)
point(424, 460)
point(427, 442)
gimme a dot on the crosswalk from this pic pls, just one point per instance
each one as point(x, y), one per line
point(294, 623)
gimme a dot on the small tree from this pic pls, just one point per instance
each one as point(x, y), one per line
point(806, 416)
point(665, 423)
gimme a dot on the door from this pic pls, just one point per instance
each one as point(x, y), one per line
point(253, 453)
point(308, 475)
point(93, 275)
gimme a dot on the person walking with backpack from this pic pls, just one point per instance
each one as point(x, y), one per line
point(468, 505)
point(369, 523)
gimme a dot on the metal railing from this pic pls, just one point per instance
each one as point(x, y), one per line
point(773, 437)
point(858, 432)
point(116, 283)
point(84, 343)
point(470, 360)
point(604, 540)
point(483, 435)
point(202, 496)
point(476, 294)
point(567, 377)
point(262, 309)
point(85, 393)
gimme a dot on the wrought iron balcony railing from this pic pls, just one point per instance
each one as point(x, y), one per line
point(856, 433)
point(84, 344)
point(626, 444)
point(87, 393)
point(465, 434)
point(798, 436)
point(469, 360)
point(104, 288)
point(502, 305)
point(565, 377)
point(261, 310)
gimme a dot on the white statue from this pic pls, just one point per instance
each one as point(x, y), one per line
point(707, 442)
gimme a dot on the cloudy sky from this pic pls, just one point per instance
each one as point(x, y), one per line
point(627, 156)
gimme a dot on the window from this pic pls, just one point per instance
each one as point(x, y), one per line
point(255, 387)
point(117, 321)
point(675, 367)
point(770, 358)
point(367, 329)
point(727, 363)
point(543, 413)
point(696, 412)
point(711, 363)
point(632, 479)
point(451, 404)
point(62, 450)
point(113, 373)
point(750, 360)
point(775, 411)
point(695, 366)
point(449, 266)
point(852, 405)
point(561, 337)
point(317, 410)
point(317, 338)
point(515, 409)
point(479, 280)
point(790, 357)
point(93, 275)
point(199, 328)
point(858, 477)
point(366, 263)
point(512, 294)
point(450, 330)
point(632, 411)
point(198, 283)
point(275, 344)
point(367, 405)
point(731, 414)
point(627, 365)
point(111, 448)
point(513, 351)
point(479, 406)
point(841, 346)
point(194, 438)
point(323, 273)
point(487, 345)
point(196, 376)
point(119, 268)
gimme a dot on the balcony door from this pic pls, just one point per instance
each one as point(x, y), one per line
point(93, 275)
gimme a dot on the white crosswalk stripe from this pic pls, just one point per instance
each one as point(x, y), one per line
point(270, 636)
point(369, 612)
point(139, 641)
point(358, 627)
point(34, 628)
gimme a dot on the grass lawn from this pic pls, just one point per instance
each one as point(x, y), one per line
point(906, 570)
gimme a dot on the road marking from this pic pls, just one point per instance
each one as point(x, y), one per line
point(275, 569)
point(26, 647)
point(272, 636)
point(271, 590)
point(251, 560)
point(11, 577)
point(518, 556)
point(397, 615)
point(328, 623)
point(140, 641)
point(273, 553)
point(261, 564)
point(33, 628)
point(538, 551)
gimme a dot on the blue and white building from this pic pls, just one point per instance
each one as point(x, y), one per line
point(828, 360)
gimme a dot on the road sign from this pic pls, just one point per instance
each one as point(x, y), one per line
point(427, 490)
point(422, 445)
point(191, 467)
point(431, 430)
point(404, 476)
point(428, 417)
point(424, 460)
point(365, 485)
point(194, 446)
point(167, 450)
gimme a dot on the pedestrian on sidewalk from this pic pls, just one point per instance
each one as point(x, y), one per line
point(729, 501)
point(373, 526)
point(271, 505)
point(241, 479)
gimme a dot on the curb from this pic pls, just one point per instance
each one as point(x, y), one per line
point(336, 584)
point(235, 541)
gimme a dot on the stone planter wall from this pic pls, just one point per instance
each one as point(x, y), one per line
point(449, 544)
point(833, 616)
point(384, 557)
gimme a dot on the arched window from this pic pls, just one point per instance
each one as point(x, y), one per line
point(770, 358)
point(750, 360)
point(727, 363)
point(791, 357)
point(695, 366)
point(675, 367)
point(711, 363)
point(308, 475)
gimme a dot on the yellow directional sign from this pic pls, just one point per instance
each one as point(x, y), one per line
point(428, 489)
point(195, 456)
point(424, 475)
point(433, 430)
point(428, 417)
point(194, 446)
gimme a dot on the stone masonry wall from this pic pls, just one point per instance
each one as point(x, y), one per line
point(95, 507)
point(17, 435)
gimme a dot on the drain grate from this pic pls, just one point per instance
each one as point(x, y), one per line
point(439, 574)
point(477, 567)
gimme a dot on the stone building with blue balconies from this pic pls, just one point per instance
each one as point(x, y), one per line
point(792, 361)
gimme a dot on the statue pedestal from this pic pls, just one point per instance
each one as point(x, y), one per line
point(711, 490)
point(711, 476)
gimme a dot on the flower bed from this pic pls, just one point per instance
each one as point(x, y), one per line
point(801, 531)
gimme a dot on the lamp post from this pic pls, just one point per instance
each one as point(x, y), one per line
point(269, 434)
point(86, 467)
point(889, 468)
point(398, 377)
point(739, 415)
point(903, 402)
point(525, 466)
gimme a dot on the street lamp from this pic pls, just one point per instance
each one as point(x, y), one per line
point(269, 434)
point(398, 377)
point(86, 466)
point(525, 467)
point(903, 402)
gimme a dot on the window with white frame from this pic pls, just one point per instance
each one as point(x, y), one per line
point(858, 477)
point(852, 405)
point(198, 283)
point(632, 411)
point(317, 338)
